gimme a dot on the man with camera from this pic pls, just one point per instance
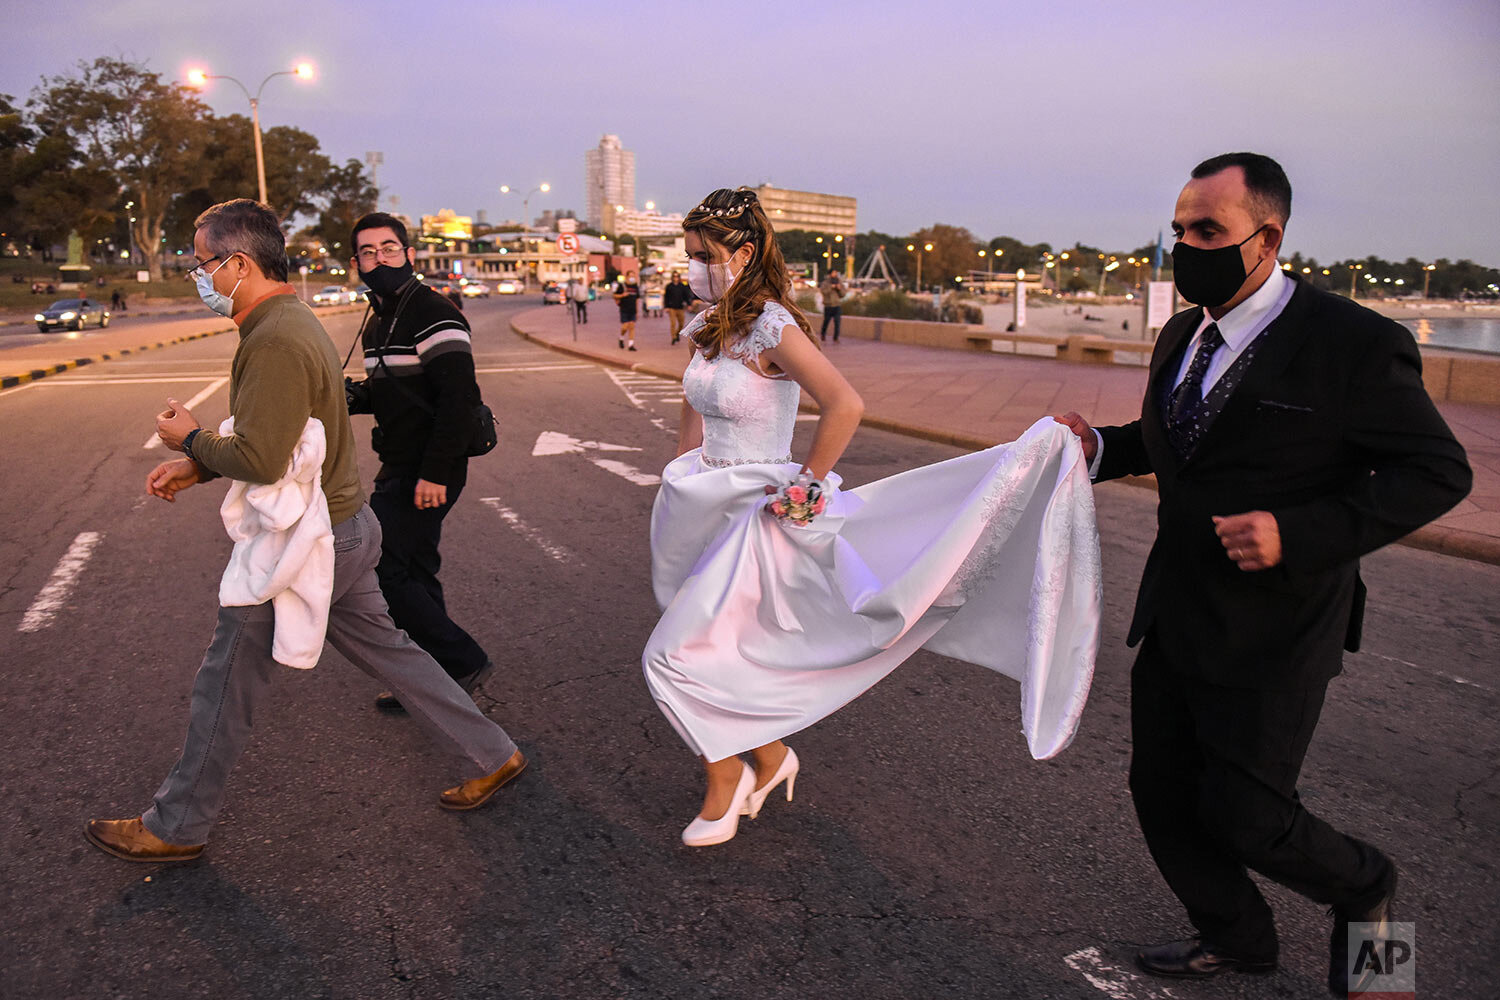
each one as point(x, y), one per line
point(420, 385)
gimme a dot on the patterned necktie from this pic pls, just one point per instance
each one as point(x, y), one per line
point(1188, 396)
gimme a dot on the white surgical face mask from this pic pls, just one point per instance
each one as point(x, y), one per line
point(709, 282)
point(212, 297)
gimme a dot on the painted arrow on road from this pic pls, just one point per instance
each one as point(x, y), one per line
point(555, 443)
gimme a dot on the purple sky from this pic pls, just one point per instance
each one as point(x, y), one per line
point(1056, 121)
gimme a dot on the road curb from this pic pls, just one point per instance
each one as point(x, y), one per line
point(1433, 538)
point(11, 381)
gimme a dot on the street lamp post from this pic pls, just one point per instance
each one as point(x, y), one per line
point(1354, 270)
point(303, 71)
point(926, 249)
point(543, 188)
point(1427, 277)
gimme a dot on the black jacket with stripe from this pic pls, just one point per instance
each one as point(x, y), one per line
point(417, 351)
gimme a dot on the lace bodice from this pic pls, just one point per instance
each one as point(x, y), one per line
point(747, 417)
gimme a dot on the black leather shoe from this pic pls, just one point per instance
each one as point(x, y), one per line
point(1193, 959)
point(1381, 912)
point(388, 702)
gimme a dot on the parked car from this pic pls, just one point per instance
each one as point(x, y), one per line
point(334, 295)
point(362, 293)
point(476, 290)
point(552, 294)
point(72, 314)
point(508, 286)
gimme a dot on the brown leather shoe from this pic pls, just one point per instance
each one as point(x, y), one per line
point(477, 791)
point(129, 839)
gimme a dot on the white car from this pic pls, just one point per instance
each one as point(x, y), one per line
point(476, 290)
point(333, 295)
point(508, 287)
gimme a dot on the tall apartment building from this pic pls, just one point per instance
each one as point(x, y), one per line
point(808, 210)
point(609, 179)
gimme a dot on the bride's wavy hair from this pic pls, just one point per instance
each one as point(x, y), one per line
point(730, 219)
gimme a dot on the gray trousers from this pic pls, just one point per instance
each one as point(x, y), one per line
point(237, 670)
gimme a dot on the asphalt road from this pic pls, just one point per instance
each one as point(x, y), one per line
point(925, 855)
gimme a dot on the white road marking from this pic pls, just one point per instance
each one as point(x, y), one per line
point(555, 443)
point(628, 472)
point(18, 388)
point(501, 369)
point(639, 389)
point(60, 585)
point(526, 531)
point(1110, 979)
point(213, 387)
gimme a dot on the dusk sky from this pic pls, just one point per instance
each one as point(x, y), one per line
point(1056, 121)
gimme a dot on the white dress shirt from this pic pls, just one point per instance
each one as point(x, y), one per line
point(1239, 326)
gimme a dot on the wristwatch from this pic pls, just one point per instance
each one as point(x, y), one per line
point(204, 472)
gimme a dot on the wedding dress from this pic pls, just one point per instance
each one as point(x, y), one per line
point(768, 627)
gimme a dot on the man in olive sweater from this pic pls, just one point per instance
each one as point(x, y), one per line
point(285, 371)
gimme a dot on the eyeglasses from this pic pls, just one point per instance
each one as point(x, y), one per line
point(387, 252)
point(198, 268)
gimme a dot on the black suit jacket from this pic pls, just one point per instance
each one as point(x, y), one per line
point(1330, 430)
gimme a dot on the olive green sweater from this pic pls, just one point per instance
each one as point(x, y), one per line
point(285, 370)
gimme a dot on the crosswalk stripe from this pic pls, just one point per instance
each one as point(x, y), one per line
point(60, 584)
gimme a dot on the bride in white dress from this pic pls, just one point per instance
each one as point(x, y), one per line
point(770, 625)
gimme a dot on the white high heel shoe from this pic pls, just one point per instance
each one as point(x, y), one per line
point(787, 772)
point(707, 832)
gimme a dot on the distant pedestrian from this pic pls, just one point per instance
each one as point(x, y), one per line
point(114, 300)
point(832, 289)
point(287, 407)
point(676, 297)
point(628, 296)
point(580, 295)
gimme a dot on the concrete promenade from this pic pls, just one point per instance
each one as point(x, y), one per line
point(974, 399)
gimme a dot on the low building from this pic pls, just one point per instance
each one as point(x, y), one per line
point(648, 223)
point(532, 258)
point(808, 210)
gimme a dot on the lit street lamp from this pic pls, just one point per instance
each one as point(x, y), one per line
point(200, 78)
point(926, 249)
point(526, 202)
point(1354, 270)
point(1427, 277)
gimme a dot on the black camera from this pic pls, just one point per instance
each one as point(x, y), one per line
point(357, 395)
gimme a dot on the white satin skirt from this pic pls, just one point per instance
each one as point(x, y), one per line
point(992, 558)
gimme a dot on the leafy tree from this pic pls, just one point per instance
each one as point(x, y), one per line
point(1017, 255)
point(954, 253)
point(297, 173)
point(56, 194)
point(15, 140)
point(147, 135)
point(349, 195)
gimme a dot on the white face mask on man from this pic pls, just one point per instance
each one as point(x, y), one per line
point(709, 282)
point(211, 296)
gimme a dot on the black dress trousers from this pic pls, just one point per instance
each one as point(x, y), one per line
point(1213, 775)
point(408, 571)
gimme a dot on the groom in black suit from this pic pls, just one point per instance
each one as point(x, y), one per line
point(1290, 434)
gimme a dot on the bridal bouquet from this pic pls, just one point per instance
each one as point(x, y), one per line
point(799, 501)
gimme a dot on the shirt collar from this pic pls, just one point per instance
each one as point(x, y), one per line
point(1241, 324)
point(244, 314)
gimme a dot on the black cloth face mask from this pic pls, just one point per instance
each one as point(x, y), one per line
point(1209, 278)
point(385, 280)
